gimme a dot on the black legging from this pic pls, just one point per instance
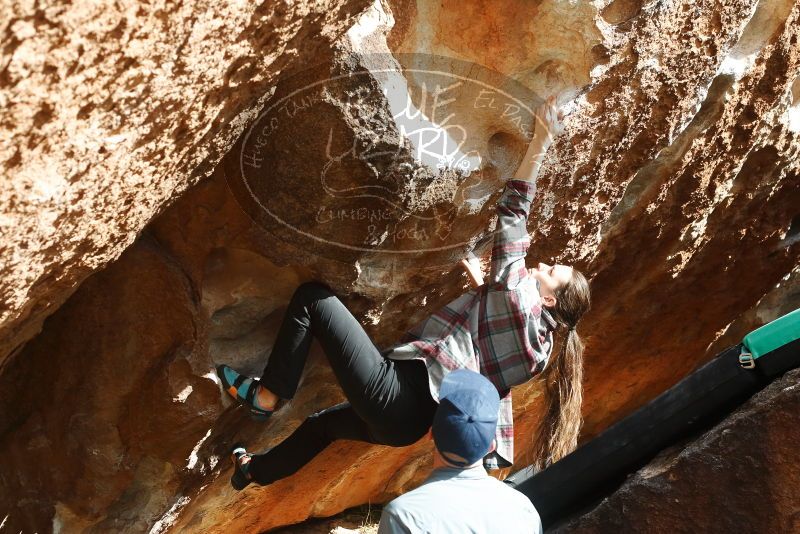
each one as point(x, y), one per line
point(389, 400)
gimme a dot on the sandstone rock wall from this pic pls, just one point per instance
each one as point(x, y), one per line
point(110, 112)
point(675, 187)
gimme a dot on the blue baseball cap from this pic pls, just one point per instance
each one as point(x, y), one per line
point(465, 421)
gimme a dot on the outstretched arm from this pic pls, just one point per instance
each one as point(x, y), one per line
point(511, 239)
point(547, 126)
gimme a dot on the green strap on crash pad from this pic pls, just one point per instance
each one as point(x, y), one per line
point(774, 335)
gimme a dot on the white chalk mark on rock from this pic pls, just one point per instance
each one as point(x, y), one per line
point(183, 395)
point(193, 455)
point(168, 519)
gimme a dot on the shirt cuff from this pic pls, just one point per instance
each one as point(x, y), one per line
point(526, 188)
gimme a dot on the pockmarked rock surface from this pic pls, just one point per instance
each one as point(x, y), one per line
point(110, 112)
point(371, 160)
point(742, 475)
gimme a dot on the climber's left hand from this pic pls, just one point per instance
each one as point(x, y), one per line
point(548, 121)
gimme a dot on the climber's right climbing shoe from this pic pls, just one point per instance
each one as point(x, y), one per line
point(244, 390)
point(241, 467)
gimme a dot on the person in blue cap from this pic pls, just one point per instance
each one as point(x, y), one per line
point(459, 496)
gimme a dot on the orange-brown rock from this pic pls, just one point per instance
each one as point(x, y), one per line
point(111, 111)
point(675, 186)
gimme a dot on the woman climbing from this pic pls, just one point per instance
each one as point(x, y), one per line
point(502, 329)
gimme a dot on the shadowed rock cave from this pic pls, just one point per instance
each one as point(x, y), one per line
point(177, 173)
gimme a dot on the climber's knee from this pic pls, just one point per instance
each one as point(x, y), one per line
point(309, 292)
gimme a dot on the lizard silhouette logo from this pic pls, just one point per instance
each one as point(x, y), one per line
point(382, 154)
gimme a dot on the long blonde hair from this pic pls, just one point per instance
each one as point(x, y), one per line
point(558, 431)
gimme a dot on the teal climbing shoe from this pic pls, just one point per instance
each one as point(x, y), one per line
point(244, 390)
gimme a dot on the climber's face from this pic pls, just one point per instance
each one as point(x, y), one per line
point(551, 278)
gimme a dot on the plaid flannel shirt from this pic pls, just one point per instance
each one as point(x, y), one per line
point(499, 329)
